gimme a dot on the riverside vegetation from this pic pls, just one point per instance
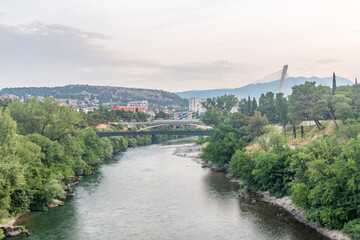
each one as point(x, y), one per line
point(321, 174)
point(45, 147)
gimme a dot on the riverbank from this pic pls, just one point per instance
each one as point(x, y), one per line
point(189, 151)
point(192, 151)
point(10, 229)
point(286, 203)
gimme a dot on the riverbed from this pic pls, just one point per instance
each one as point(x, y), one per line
point(149, 193)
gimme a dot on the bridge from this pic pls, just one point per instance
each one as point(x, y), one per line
point(209, 131)
point(281, 75)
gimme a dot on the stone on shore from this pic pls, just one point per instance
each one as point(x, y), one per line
point(55, 203)
point(13, 231)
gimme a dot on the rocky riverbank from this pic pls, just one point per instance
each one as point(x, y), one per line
point(192, 151)
point(9, 228)
point(286, 203)
point(189, 151)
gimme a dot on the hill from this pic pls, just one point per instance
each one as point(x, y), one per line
point(104, 94)
point(255, 90)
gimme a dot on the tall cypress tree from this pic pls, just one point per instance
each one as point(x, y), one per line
point(294, 130)
point(249, 106)
point(254, 106)
point(302, 131)
point(334, 83)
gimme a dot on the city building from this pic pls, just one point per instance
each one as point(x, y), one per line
point(195, 105)
point(126, 108)
point(142, 104)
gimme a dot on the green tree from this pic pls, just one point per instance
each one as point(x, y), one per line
point(222, 146)
point(281, 109)
point(267, 106)
point(256, 125)
point(342, 107)
point(224, 103)
point(213, 117)
point(334, 84)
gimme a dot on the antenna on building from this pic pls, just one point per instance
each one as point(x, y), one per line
point(283, 77)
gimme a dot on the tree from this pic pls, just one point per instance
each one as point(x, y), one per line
point(281, 109)
point(254, 106)
point(249, 109)
point(342, 106)
point(238, 120)
point(294, 130)
point(213, 117)
point(222, 146)
point(267, 106)
point(334, 84)
point(256, 125)
point(224, 103)
point(302, 131)
point(162, 115)
point(302, 101)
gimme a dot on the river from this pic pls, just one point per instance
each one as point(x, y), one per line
point(148, 193)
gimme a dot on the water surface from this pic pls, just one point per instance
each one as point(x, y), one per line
point(148, 193)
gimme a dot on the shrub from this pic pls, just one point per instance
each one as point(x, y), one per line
point(352, 229)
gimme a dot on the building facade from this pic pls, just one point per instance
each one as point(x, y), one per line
point(133, 109)
point(195, 105)
point(141, 104)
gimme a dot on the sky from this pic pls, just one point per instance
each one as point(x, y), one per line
point(175, 45)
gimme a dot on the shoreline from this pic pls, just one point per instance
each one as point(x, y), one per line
point(192, 151)
point(286, 203)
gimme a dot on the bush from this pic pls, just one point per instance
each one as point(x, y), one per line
point(241, 166)
point(352, 229)
point(20, 202)
point(300, 195)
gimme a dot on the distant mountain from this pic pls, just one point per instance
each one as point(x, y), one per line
point(104, 94)
point(255, 90)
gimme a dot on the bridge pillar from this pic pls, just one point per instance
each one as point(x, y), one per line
point(283, 77)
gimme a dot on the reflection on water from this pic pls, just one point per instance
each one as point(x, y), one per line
point(148, 193)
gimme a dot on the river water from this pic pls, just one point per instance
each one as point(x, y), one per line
point(148, 193)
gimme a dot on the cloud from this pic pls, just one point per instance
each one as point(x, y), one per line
point(328, 60)
point(38, 54)
point(43, 44)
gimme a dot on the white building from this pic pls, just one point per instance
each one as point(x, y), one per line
point(195, 105)
point(143, 104)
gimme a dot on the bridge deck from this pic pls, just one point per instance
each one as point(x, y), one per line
point(179, 133)
point(168, 122)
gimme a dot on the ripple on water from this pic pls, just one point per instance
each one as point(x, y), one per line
point(148, 193)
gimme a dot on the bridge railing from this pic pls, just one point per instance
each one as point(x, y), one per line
point(209, 132)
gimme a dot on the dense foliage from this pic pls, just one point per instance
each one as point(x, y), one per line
point(104, 94)
point(321, 178)
point(44, 147)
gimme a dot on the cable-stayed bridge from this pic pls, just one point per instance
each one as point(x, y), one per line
point(281, 75)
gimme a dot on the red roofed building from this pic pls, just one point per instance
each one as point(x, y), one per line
point(133, 109)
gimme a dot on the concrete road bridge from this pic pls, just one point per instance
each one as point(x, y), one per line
point(209, 131)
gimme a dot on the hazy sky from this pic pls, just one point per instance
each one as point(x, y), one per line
point(175, 45)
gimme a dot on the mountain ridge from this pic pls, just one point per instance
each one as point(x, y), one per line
point(255, 90)
point(103, 93)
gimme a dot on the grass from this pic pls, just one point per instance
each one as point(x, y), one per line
point(311, 133)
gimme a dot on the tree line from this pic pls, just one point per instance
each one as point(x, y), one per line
point(321, 178)
point(45, 147)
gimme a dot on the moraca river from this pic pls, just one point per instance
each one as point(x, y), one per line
point(148, 193)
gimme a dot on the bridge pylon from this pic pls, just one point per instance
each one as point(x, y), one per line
point(283, 77)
